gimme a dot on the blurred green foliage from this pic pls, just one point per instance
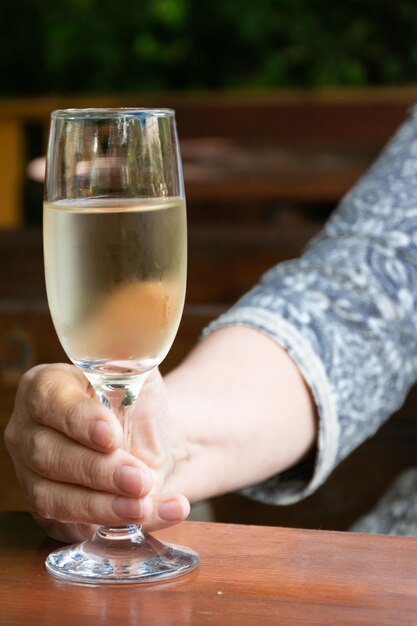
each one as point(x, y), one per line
point(86, 46)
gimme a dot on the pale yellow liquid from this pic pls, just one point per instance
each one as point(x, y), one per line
point(115, 276)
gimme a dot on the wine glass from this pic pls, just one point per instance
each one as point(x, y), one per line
point(115, 246)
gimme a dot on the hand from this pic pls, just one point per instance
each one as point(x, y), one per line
point(239, 412)
point(65, 446)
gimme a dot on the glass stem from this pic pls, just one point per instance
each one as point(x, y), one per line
point(120, 397)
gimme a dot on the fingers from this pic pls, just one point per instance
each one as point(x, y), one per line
point(60, 397)
point(67, 503)
point(51, 455)
point(75, 504)
point(69, 483)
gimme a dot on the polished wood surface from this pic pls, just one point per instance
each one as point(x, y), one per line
point(249, 576)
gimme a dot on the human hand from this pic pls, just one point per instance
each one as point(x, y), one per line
point(65, 446)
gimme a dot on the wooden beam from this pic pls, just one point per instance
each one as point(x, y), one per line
point(11, 172)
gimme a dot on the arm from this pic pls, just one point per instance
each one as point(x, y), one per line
point(346, 311)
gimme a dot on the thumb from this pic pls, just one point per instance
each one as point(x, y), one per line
point(168, 510)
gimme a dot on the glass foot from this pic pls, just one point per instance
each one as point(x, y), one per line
point(121, 555)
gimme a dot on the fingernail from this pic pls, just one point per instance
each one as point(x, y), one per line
point(131, 480)
point(102, 434)
point(130, 508)
point(171, 510)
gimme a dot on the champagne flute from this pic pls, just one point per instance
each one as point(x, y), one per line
point(115, 247)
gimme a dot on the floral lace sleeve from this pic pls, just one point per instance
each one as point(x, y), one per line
point(346, 311)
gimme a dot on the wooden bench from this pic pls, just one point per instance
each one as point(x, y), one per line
point(243, 153)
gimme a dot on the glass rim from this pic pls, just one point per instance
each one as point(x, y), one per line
point(111, 112)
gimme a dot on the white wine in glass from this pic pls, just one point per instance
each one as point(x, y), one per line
point(115, 246)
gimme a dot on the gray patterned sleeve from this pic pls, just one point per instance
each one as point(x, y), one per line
point(346, 311)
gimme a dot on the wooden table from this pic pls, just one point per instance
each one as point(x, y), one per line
point(248, 576)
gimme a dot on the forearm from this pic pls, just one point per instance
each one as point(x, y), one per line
point(245, 411)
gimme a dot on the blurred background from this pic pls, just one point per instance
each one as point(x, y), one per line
point(281, 105)
point(97, 46)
